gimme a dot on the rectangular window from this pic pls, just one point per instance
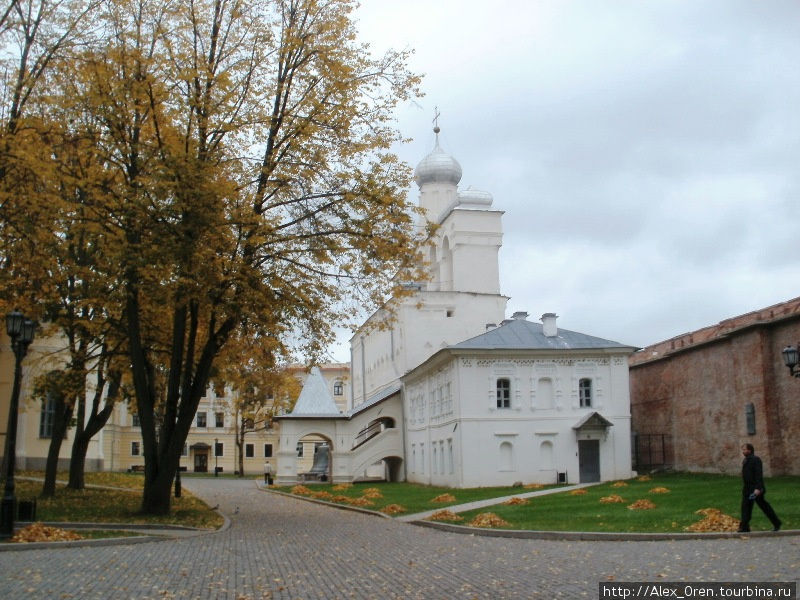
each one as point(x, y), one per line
point(299, 449)
point(47, 417)
point(218, 448)
point(504, 393)
point(220, 419)
point(134, 448)
point(338, 388)
point(201, 419)
point(185, 450)
point(267, 450)
point(249, 451)
point(585, 392)
point(135, 420)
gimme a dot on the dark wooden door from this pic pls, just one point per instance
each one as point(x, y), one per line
point(589, 460)
point(201, 463)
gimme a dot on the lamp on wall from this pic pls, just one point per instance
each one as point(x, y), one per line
point(21, 330)
point(790, 359)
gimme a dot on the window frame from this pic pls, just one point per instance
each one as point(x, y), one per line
point(219, 419)
point(135, 448)
point(585, 392)
point(268, 454)
point(204, 418)
point(47, 417)
point(503, 393)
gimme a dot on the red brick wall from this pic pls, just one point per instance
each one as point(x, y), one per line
point(698, 392)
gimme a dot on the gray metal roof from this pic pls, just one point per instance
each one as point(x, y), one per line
point(519, 334)
point(375, 399)
point(314, 398)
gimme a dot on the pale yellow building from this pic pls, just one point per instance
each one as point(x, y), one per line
point(211, 442)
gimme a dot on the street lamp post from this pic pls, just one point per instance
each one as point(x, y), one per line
point(216, 457)
point(790, 359)
point(20, 330)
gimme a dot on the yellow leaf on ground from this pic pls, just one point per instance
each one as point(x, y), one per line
point(642, 505)
point(444, 498)
point(444, 515)
point(487, 520)
point(612, 499)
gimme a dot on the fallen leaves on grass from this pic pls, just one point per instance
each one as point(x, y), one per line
point(323, 495)
point(341, 487)
point(361, 502)
point(618, 484)
point(644, 478)
point(533, 486)
point(715, 520)
point(516, 500)
point(487, 520)
point(578, 492)
point(659, 490)
point(372, 493)
point(642, 505)
point(393, 509)
point(301, 490)
point(444, 515)
point(36, 532)
point(612, 499)
point(444, 498)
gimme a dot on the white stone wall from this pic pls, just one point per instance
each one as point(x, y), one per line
point(462, 439)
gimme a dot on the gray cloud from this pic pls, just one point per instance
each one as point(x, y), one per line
point(646, 153)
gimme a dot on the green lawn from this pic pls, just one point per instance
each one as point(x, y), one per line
point(111, 505)
point(411, 496)
point(672, 513)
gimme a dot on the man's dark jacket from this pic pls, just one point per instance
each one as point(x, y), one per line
point(752, 476)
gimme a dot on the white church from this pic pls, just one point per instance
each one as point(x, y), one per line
point(452, 392)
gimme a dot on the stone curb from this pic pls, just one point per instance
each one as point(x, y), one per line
point(598, 535)
point(550, 535)
point(162, 534)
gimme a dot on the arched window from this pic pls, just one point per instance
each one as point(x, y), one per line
point(338, 388)
point(585, 392)
point(504, 392)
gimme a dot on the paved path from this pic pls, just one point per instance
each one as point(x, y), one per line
point(467, 506)
point(280, 547)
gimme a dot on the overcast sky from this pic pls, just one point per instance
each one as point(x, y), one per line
point(646, 153)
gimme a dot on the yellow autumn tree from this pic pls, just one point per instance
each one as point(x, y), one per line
point(241, 187)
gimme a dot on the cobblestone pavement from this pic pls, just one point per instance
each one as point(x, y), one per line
point(280, 547)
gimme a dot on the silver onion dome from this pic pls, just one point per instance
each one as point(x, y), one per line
point(437, 167)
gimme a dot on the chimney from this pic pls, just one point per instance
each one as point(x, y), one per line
point(520, 315)
point(549, 327)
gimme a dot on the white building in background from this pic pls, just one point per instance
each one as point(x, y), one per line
point(451, 393)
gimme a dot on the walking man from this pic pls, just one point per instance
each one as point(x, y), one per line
point(753, 490)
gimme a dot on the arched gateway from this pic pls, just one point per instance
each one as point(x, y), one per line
point(361, 444)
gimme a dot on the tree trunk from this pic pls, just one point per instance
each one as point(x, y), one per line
point(157, 496)
point(77, 462)
point(60, 424)
point(97, 420)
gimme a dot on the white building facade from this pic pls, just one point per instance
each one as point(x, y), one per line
point(480, 400)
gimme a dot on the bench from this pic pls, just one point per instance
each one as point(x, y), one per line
point(136, 469)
